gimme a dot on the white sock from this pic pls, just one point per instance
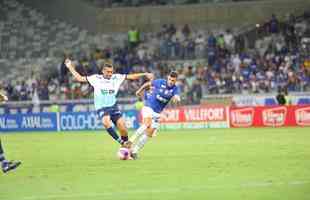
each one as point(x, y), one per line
point(140, 144)
point(138, 132)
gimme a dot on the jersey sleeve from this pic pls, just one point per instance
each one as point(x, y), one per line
point(176, 91)
point(120, 78)
point(92, 80)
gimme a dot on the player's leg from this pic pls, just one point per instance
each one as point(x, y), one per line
point(146, 136)
point(141, 142)
point(7, 165)
point(106, 121)
point(2, 158)
point(119, 122)
point(146, 123)
point(121, 126)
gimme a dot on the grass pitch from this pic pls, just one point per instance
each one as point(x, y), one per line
point(251, 164)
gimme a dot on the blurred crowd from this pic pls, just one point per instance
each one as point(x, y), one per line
point(208, 62)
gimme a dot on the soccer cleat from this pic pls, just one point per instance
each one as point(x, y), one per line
point(127, 144)
point(134, 156)
point(11, 165)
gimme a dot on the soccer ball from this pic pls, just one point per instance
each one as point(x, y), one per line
point(139, 105)
point(123, 153)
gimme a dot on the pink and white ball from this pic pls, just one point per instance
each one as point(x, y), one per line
point(123, 153)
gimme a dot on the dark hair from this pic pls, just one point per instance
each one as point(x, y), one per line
point(107, 64)
point(174, 74)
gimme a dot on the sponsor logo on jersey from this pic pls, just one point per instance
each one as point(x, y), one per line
point(105, 92)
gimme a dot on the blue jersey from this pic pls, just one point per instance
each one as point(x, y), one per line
point(147, 94)
point(160, 95)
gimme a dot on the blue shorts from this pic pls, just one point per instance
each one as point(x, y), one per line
point(113, 111)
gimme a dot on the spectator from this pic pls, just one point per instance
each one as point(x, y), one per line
point(43, 92)
point(274, 24)
point(282, 96)
point(200, 44)
point(24, 95)
point(211, 41)
point(229, 41)
point(133, 37)
point(186, 31)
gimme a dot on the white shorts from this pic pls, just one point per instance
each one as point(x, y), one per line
point(148, 112)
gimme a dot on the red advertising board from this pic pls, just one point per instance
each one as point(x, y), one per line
point(264, 116)
point(196, 116)
point(225, 117)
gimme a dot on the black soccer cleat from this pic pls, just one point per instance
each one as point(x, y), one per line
point(11, 165)
point(134, 156)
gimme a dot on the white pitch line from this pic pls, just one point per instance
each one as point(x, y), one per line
point(167, 190)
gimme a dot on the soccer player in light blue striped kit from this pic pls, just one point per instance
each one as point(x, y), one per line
point(106, 86)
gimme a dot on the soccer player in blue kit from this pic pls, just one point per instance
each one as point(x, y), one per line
point(106, 86)
point(162, 91)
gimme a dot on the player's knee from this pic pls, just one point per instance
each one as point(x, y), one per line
point(106, 123)
point(149, 134)
point(148, 122)
point(147, 125)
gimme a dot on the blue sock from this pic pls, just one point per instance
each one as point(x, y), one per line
point(114, 135)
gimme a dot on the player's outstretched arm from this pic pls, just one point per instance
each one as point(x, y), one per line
point(139, 92)
point(136, 76)
point(76, 74)
point(3, 97)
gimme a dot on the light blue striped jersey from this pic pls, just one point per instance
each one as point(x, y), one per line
point(105, 90)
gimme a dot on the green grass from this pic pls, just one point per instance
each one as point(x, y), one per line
point(215, 164)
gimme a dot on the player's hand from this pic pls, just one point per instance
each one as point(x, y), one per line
point(149, 76)
point(68, 63)
point(138, 93)
point(176, 99)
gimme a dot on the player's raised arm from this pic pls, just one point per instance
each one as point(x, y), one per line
point(76, 74)
point(139, 92)
point(136, 76)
